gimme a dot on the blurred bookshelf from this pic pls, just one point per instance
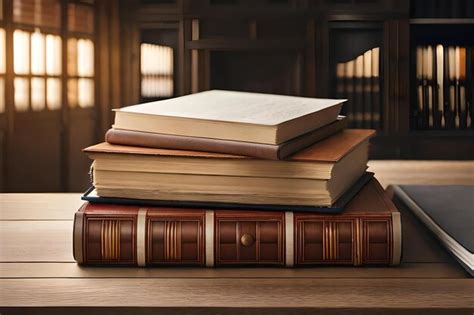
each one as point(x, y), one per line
point(362, 50)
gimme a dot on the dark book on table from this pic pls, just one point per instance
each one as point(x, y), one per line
point(92, 196)
point(448, 212)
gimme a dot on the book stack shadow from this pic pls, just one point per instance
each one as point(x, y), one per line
point(223, 178)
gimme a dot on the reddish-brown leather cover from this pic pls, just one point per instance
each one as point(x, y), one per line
point(258, 150)
point(331, 149)
point(362, 235)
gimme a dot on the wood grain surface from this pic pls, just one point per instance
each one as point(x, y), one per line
point(39, 276)
point(314, 293)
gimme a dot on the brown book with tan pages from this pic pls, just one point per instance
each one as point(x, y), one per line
point(316, 176)
point(257, 150)
point(368, 232)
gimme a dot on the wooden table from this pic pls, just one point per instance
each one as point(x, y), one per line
point(39, 275)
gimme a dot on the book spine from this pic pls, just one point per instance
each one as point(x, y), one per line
point(376, 90)
point(358, 92)
point(349, 91)
point(258, 150)
point(420, 87)
point(129, 235)
point(153, 140)
point(367, 88)
point(452, 86)
point(462, 89)
point(439, 117)
point(470, 85)
point(347, 241)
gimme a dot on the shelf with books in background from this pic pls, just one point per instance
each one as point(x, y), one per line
point(442, 58)
point(448, 9)
point(357, 71)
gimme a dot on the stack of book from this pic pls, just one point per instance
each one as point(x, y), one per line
point(444, 87)
point(233, 178)
point(358, 80)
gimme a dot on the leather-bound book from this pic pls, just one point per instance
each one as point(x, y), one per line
point(340, 73)
point(452, 86)
point(457, 75)
point(439, 116)
point(469, 86)
point(358, 92)
point(367, 88)
point(376, 90)
point(429, 79)
point(462, 88)
point(349, 89)
point(426, 87)
point(420, 86)
point(368, 232)
point(257, 150)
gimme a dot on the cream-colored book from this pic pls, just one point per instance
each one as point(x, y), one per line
point(318, 175)
point(240, 116)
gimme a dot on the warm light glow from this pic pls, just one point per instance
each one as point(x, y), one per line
point(53, 92)
point(2, 95)
point(72, 93)
point(21, 94)
point(85, 58)
point(156, 59)
point(80, 63)
point(53, 55)
point(85, 93)
point(38, 98)
point(157, 70)
point(72, 56)
point(37, 53)
point(2, 51)
point(21, 51)
point(157, 86)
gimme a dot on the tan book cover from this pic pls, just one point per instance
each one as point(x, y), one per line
point(331, 149)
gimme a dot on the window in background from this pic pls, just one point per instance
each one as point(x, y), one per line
point(37, 70)
point(156, 66)
point(80, 55)
point(37, 55)
point(81, 72)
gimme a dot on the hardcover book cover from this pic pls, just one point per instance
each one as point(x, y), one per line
point(257, 150)
point(368, 232)
point(448, 212)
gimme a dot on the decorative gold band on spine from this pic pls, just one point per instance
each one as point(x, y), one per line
point(110, 240)
point(172, 240)
point(358, 243)
point(209, 238)
point(396, 238)
point(141, 233)
point(330, 241)
point(289, 239)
